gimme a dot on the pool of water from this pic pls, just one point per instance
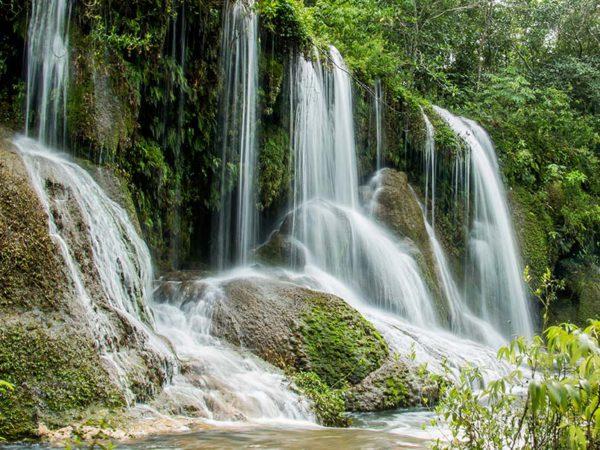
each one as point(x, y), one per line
point(403, 429)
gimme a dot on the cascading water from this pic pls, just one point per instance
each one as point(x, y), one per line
point(226, 383)
point(48, 70)
point(239, 135)
point(379, 123)
point(108, 263)
point(325, 217)
point(494, 281)
point(429, 167)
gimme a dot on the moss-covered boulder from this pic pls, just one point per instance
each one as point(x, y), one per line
point(398, 383)
point(333, 355)
point(296, 328)
point(532, 226)
point(394, 204)
point(62, 354)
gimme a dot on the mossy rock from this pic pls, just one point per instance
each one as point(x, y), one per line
point(280, 251)
point(395, 205)
point(341, 345)
point(581, 299)
point(60, 364)
point(398, 383)
point(532, 226)
point(31, 270)
point(297, 330)
point(56, 374)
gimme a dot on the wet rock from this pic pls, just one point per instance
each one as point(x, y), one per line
point(580, 300)
point(59, 350)
point(394, 204)
point(396, 384)
point(299, 329)
point(281, 250)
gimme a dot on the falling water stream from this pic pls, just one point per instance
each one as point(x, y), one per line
point(347, 252)
point(496, 289)
point(237, 221)
point(48, 70)
point(379, 124)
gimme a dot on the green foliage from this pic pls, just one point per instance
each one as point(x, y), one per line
point(548, 149)
point(550, 399)
point(545, 292)
point(395, 392)
point(342, 346)
point(5, 388)
point(274, 173)
point(328, 403)
point(286, 20)
point(147, 168)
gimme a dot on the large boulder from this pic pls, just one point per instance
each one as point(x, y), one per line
point(280, 250)
point(59, 351)
point(329, 349)
point(296, 328)
point(395, 204)
point(398, 383)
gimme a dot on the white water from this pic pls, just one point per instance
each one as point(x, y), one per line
point(115, 280)
point(494, 270)
point(239, 135)
point(48, 70)
point(226, 383)
point(351, 256)
point(379, 124)
point(429, 167)
point(213, 380)
point(326, 218)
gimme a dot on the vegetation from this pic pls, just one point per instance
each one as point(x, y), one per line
point(328, 404)
point(549, 400)
point(342, 346)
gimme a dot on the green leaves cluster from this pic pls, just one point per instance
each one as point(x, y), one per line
point(328, 403)
point(548, 400)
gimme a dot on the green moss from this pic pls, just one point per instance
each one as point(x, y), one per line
point(31, 273)
point(341, 345)
point(328, 404)
point(152, 185)
point(56, 374)
point(533, 226)
point(274, 177)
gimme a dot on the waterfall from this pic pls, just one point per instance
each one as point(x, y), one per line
point(108, 263)
point(463, 321)
point(239, 135)
point(429, 167)
point(379, 123)
point(495, 285)
point(48, 70)
point(226, 383)
point(346, 177)
point(326, 218)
